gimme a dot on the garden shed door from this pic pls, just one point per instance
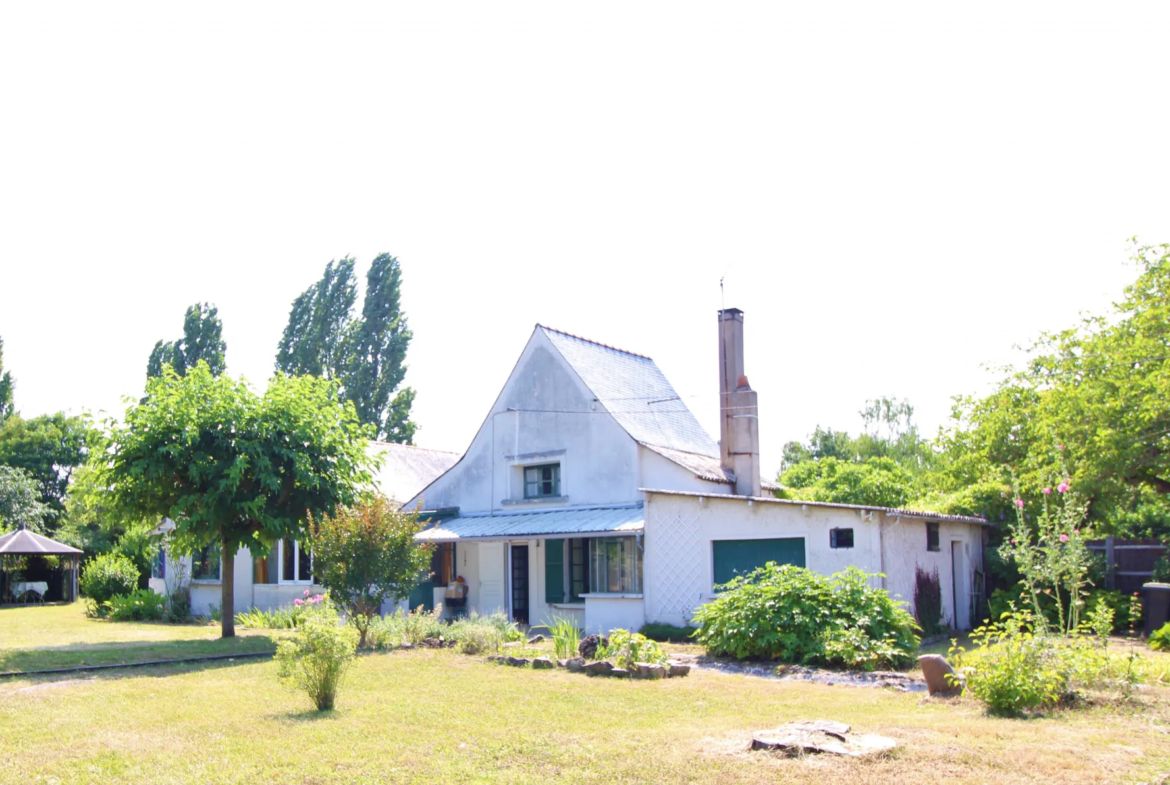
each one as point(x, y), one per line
point(491, 577)
point(961, 592)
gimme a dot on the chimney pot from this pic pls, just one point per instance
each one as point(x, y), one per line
point(742, 383)
point(739, 432)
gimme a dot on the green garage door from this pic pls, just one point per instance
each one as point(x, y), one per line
point(739, 557)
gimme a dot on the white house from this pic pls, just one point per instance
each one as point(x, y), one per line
point(287, 571)
point(591, 491)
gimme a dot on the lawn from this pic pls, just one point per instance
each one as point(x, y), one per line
point(437, 716)
point(61, 636)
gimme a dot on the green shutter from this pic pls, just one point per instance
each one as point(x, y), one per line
point(739, 557)
point(554, 571)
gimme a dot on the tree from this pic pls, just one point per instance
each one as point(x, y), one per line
point(235, 469)
point(19, 500)
point(1092, 397)
point(94, 523)
point(367, 554)
point(880, 482)
point(202, 341)
point(48, 448)
point(365, 354)
point(7, 385)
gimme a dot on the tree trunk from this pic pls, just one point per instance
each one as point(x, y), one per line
point(227, 578)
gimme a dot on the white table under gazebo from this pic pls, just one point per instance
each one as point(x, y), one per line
point(22, 542)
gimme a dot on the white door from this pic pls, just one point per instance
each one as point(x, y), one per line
point(491, 578)
point(961, 594)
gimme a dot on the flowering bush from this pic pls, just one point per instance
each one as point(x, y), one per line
point(317, 658)
point(1051, 555)
point(287, 618)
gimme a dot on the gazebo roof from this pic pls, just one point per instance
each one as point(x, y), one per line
point(23, 543)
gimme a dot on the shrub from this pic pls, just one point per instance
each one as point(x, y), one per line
point(1002, 601)
point(667, 633)
point(1018, 667)
point(792, 614)
point(179, 605)
point(477, 638)
point(1160, 639)
point(565, 635)
point(1014, 669)
point(108, 575)
point(140, 605)
point(287, 617)
point(627, 648)
point(317, 658)
point(1161, 573)
point(928, 604)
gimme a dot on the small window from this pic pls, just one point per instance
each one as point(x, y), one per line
point(542, 481)
point(205, 564)
point(932, 536)
point(840, 538)
point(296, 563)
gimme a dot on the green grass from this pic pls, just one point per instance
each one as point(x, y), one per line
point(430, 716)
point(61, 636)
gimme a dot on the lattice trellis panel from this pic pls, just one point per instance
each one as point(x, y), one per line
point(677, 543)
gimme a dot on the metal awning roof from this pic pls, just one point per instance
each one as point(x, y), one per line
point(626, 519)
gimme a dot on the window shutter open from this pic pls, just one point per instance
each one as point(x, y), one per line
point(554, 571)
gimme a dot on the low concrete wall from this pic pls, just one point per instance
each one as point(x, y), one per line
point(617, 611)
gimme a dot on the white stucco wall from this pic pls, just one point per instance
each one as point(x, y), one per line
point(557, 422)
point(658, 472)
point(680, 530)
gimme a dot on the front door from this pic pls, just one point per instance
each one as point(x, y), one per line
point(520, 584)
point(961, 595)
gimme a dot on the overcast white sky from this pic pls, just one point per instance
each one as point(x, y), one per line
point(896, 194)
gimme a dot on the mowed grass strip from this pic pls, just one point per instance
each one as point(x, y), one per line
point(61, 636)
point(431, 716)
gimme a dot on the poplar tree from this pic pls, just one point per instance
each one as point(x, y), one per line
point(202, 340)
point(364, 354)
point(6, 387)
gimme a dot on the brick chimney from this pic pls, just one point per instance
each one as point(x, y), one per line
point(739, 423)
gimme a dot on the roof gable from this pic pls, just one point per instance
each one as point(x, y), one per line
point(632, 389)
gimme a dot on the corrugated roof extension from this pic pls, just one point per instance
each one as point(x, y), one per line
point(632, 388)
point(891, 511)
point(623, 519)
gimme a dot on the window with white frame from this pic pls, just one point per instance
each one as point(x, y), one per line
point(615, 565)
point(205, 564)
point(296, 563)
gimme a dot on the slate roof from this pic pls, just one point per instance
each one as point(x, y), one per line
point(407, 470)
point(622, 519)
point(632, 388)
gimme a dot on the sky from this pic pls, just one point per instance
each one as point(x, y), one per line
point(895, 194)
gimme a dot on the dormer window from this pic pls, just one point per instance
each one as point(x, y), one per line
point(542, 482)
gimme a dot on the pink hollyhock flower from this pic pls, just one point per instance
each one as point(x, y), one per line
point(1047, 491)
point(1013, 541)
point(298, 601)
point(1060, 447)
point(307, 592)
point(1064, 538)
point(1063, 487)
point(1020, 503)
point(1076, 531)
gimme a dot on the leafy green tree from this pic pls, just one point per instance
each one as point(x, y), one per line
point(880, 482)
point(1092, 398)
point(365, 354)
point(366, 554)
point(236, 469)
point(7, 385)
point(48, 448)
point(20, 501)
point(202, 341)
point(94, 523)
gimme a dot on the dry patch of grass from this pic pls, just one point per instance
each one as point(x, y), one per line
point(428, 716)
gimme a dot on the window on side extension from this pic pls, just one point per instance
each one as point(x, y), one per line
point(840, 538)
point(932, 536)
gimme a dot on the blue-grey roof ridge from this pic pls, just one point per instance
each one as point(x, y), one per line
point(635, 392)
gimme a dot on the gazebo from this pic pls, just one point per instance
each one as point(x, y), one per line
point(25, 543)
